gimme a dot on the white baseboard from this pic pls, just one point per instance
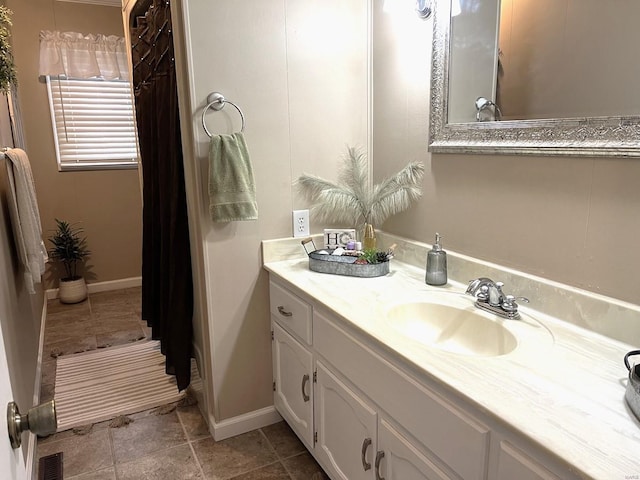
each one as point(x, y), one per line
point(52, 293)
point(243, 423)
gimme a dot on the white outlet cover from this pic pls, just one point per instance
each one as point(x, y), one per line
point(300, 223)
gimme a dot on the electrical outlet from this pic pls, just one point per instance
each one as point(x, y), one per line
point(301, 223)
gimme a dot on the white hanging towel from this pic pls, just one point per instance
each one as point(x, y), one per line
point(25, 217)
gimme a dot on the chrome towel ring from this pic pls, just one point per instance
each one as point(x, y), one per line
point(217, 101)
point(482, 104)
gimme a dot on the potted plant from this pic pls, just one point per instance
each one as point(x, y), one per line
point(69, 248)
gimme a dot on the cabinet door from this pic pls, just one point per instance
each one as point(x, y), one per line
point(292, 372)
point(346, 428)
point(398, 459)
point(513, 463)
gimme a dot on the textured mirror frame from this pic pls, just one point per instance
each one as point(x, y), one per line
point(590, 136)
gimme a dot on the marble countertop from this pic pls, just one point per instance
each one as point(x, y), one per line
point(562, 387)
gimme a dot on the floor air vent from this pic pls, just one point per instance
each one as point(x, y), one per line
point(50, 467)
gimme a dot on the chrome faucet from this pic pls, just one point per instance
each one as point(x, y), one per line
point(490, 297)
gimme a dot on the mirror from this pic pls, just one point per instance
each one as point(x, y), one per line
point(480, 103)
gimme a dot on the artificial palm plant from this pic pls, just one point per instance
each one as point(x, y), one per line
point(354, 201)
point(68, 248)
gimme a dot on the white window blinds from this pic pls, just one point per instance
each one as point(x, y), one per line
point(93, 123)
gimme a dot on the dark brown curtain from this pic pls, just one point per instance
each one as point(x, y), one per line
point(167, 292)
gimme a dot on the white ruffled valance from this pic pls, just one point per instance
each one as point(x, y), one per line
point(83, 56)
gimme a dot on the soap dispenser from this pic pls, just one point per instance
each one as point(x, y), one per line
point(436, 264)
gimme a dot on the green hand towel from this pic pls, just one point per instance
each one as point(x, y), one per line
point(232, 189)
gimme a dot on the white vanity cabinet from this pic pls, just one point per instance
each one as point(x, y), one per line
point(365, 414)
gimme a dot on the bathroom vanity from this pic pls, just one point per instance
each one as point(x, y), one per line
point(372, 398)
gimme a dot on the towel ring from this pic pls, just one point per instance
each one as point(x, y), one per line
point(216, 101)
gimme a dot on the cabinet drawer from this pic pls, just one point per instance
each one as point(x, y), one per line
point(459, 440)
point(291, 312)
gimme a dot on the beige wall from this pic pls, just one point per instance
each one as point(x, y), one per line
point(298, 70)
point(567, 58)
point(107, 203)
point(572, 220)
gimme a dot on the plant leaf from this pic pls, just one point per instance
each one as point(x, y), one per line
point(330, 201)
point(396, 193)
point(355, 177)
point(353, 200)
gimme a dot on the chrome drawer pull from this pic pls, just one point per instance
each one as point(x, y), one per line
point(283, 312)
point(379, 457)
point(365, 445)
point(305, 379)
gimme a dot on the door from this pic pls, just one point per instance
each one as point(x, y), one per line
point(293, 391)
point(12, 463)
point(12, 308)
point(346, 427)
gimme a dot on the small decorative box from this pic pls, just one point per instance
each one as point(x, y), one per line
point(334, 238)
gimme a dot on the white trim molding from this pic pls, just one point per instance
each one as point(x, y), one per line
point(243, 423)
point(107, 286)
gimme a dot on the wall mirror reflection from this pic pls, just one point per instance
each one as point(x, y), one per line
point(538, 77)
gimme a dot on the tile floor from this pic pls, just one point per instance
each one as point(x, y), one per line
point(155, 446)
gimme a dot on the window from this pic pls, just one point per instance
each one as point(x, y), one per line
point(93, 123)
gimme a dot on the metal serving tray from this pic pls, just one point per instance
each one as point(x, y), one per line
point(343, 264)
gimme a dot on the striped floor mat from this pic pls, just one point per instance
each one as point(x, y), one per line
point(102, 384)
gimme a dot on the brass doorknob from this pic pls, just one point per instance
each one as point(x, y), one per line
point(40, 420)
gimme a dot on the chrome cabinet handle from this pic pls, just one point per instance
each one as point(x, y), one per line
point(305, 379)
point(379, 457)
point(365, 445)
point(283, 312)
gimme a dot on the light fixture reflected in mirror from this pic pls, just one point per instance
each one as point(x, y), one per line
point(423, 8)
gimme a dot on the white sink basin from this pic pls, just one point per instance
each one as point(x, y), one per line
point(453, 325)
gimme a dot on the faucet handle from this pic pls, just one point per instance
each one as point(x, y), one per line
point(510, 305)
point(477, 284)
point(483, 294)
